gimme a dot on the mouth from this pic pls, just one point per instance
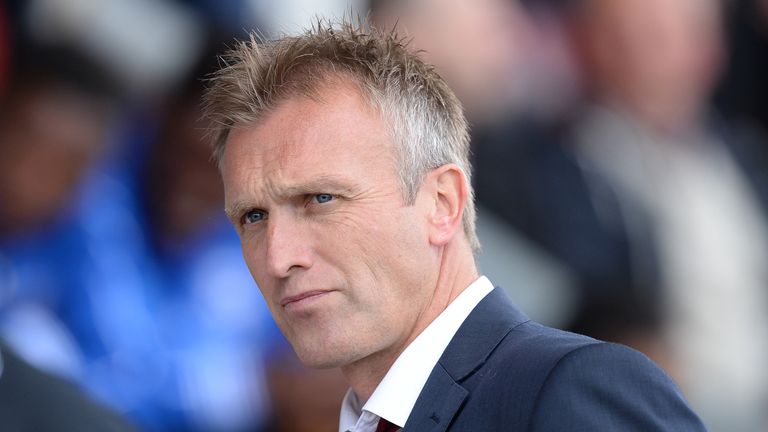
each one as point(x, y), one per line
point(303, 297)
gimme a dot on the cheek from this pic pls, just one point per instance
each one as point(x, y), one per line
point(374, 237)
point(256, 262)
point(391, 251)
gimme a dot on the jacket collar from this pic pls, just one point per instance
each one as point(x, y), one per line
point(491, 320)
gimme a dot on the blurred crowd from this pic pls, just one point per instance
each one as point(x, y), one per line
point(620, 165)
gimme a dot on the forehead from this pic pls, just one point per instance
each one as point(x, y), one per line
point(336, 133)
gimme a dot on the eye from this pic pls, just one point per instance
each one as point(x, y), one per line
point(254, 216)
point(323, 198)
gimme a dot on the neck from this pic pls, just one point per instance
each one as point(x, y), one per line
point(457, 271)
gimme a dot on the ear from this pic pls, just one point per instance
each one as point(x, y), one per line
point(448, 197)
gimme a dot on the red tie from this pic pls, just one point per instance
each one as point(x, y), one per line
point(385, 426)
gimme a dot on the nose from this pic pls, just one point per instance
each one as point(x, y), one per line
point(288, 247)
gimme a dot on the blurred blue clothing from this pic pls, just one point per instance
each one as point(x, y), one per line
point(174, 340)
point(35, 269)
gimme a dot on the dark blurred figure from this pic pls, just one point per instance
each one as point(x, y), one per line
point(181, 188)
point(743, 94)
point(5, 36)
point(32, 400)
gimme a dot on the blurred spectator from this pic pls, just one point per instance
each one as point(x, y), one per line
point(664, 76)
point(510, 68)
point(170, 332)
point(31, 399)
point(499, 59)
point(472, 44)
point(53, 122)
point(649, 199)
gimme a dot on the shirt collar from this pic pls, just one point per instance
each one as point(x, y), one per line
point(396, 394)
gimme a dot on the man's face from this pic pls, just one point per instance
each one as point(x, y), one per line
point(343, 263)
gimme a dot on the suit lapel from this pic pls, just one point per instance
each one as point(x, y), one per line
point(437, 403)
point(481, 332)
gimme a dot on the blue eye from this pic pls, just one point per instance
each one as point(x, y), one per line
point(323, 198)
point(254, 216)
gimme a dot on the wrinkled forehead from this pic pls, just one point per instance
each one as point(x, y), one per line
point(312, 82)
point(337, 130)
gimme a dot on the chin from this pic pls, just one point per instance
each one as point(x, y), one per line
point(324, 360)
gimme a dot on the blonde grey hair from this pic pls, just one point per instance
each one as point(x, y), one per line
point(424, 116)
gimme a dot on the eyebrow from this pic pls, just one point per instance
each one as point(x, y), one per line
point(322, 184)
point(234, 211)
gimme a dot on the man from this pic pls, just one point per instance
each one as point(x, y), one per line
point(344, 162)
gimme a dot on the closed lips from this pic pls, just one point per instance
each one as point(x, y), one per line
point(302, 296)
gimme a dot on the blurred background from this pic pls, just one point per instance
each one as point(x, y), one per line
point(621, 169)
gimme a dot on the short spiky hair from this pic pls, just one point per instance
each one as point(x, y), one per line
point(424, 116)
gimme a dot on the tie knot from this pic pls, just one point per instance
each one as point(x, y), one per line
point(385, 426)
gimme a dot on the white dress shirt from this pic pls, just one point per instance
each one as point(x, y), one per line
point(394, 397)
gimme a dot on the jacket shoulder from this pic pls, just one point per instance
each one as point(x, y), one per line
point(578, 383)
point(543, 379)
point(606, 386)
